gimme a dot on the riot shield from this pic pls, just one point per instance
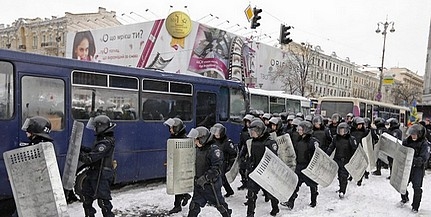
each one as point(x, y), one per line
point(367, 143)
point(181, 156)
point(358, 164)
point(233, 172)
point(248, 143)
point(35, 180)
point(321, 169)
point(286, 152)
point(72, 156)
point(387, 146)
point(273, 175)
point(401, 168)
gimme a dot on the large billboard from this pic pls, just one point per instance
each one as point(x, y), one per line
point(178, 45)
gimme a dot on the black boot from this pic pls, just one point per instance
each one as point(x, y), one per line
point(176, 209)
point(405, 197)
point(314, 194)
point(274, 205)
point(417, 196)
point(251, 203)
point(106, 207)
point(186, 199)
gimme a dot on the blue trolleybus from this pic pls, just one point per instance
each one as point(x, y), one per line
point(137, 100)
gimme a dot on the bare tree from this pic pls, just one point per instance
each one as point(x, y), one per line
point(295, 74)
point(404, 94)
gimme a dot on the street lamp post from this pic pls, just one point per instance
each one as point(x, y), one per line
point(384, 32)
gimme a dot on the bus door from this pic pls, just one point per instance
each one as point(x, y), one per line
point(9, 123)
point(232, 107)
point(206, 109)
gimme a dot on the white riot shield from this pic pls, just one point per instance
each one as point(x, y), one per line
point(367, 143)
point(401, 168)
point(233, 172)
point(273, 175)
point(286, 152)
point(357, 164)
point(72, 156)
point(35, 180)
point(387, 146)
point(321, 169)
point(248, 143)
point(181, 156)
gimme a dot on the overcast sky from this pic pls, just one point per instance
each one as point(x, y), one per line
point(346, 27)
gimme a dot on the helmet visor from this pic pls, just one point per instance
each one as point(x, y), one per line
point(193, 133)
point(215, 131)
point(170, 122)
point(91, 124)
point(26, 124)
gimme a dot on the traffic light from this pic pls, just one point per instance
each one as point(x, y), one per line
point(284, 34)
point(256, 18)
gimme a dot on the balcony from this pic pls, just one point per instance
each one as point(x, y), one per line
point(48, 45)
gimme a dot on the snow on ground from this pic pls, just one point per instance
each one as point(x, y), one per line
point(376, 197)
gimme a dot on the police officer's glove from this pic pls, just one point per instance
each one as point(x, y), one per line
point(85, 149)
point(84, 158)
point(201, 181)
point(212, 175)
point(418, 162)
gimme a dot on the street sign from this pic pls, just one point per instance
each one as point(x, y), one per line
point(249, 13)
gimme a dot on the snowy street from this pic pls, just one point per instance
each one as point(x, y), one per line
point(376, 197)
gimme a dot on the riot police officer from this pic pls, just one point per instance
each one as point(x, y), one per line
point(177, 130)
point(260, 140)
point(304, 151)
point(243, 151)
point(345, 146)
point(321, 133)
point(276, 126)
point(359, 131)
point(96, 185)
point(37, 130)
point(416, 140)
point(332, 125)
point(380, 125)
point(207, 187)
point(229, 154)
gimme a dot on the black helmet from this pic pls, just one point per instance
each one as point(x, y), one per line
point(317, 120)
point(416, 129)
point(296, 121)
point(309, 118)
point(277, 122)
point(200, 133)
point(39, 126)
point(393, 123)
point(267, 116)
point(336, 117)
point(367, 122)
point(283, 116)
point(101, 124)
point(356, 121)
point(379, 122)
point(300, 115)
point(257, 126)
point(290, 117)
point(176, 124)
point(343, 128)
point(306, 126)
point(218, 129)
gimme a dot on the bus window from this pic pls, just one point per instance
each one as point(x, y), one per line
point(206, 109)
point(293, 106)
point(276, 104)
point(159, 107)
point(223, 104)
point(362, 109)
point(6, 90)
point(112, 95)
point(328, 108)
point(237, 105)
point(43, 97)
point(259, 102)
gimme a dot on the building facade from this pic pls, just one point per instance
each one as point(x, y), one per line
point(427, 77)
point(48, 36)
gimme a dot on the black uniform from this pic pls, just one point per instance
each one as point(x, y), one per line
point(229, 155)
point(359, 134)
point(420, 157)
point(323, 135)
point(257, 152)
point(208, 182)
point(100, 175)
point(243, 157)
point(304, 151)
point(345, 147)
